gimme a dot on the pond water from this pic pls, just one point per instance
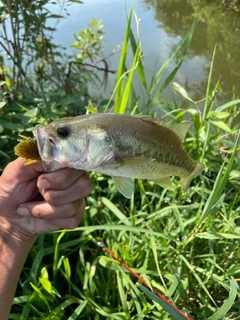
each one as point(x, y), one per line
point(163, 23)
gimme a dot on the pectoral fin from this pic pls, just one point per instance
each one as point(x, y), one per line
point(124, 185)
point(164, 182)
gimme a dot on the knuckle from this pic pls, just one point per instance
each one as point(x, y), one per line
point(87, 184)
point(70, 209)
point(72, 223)
point(51, 197)
point(36, 213)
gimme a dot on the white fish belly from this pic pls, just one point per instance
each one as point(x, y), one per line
point(151, 170)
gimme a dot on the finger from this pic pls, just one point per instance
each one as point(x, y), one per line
point(69, 223)
point(17, 170)
point(43, 210)
point(60, 179)
point(79, 189)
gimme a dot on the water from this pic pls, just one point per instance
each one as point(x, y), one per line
point(163, 23)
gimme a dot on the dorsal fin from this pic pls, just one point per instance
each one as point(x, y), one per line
point(179, 128)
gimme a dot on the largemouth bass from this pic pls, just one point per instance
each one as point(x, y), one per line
point(122, 146)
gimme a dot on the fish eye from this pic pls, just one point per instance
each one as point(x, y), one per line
point(63, 132)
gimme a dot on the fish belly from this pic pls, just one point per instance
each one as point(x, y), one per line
point(150, 170)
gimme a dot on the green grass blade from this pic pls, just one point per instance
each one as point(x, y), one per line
point(116, 211)
point(122, 294)
point(228, 104)
point(78, 311)
point(199, 280)
point(228, 303)
point(90, 229)
point(208, 101)
point(168, 308)
point(159, 74)
point(56, 254)
point(140, 68)
point(121, 66)
point(126, 93)
point(219, 184)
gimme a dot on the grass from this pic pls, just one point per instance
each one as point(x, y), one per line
point(185, 245)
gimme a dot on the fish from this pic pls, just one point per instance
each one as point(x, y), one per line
point(122, 146)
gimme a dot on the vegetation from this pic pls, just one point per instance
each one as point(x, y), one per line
point(185, 245)
point(176, 20)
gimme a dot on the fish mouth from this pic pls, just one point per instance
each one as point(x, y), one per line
point(46, 145)
point(47, 149)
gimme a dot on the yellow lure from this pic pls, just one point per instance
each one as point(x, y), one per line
point(28, 150)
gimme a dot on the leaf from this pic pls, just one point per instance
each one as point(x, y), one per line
point(228, 303)
point(215, 235)
point(221, 125)
point(140, 67)
point(78, 310)
point(166, 306)
point(91, 108)
point(46, 284)
point(207, 102)
point(121, 65)
point(182, 91)
point(187, 38)
point(228, 104)
point(10, 125)
point(219, 185)
point(39, 294)
point(116, 211)
point(219, 114)
point(2, 104)
point(67, 268)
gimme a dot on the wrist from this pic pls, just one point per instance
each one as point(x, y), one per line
point(13, 234)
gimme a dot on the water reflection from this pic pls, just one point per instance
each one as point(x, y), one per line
point(217, 25)
point(163, 23)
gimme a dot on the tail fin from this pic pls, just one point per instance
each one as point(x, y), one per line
point(196, 171)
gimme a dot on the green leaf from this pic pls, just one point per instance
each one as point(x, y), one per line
point(221, 125)
point(39, 294)
point(2, 104)
point(228, 303)
point(78, 310)
point(182, 91)
point(219, 114)
point(167, 307)
point(208, 99)
point(155, 81)
point(67, 269)
point(219, 185)
point(10, 125)
point(215, 235)
point(116, 211)
point(46, 284)
point(121, 65)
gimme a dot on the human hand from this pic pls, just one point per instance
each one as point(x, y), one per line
point(33, 202)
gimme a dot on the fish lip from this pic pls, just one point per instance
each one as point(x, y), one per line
point(43, 138)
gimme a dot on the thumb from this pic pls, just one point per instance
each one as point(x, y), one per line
point(17, 170)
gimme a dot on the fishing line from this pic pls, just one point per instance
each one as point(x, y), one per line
point(101, 244)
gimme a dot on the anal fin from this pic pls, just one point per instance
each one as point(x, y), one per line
point(164, 182)
point(124, 185)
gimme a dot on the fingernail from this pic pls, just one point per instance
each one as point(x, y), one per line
point(22, 211)
point(43, 184)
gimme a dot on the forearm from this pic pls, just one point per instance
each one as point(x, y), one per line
point(13, 253)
